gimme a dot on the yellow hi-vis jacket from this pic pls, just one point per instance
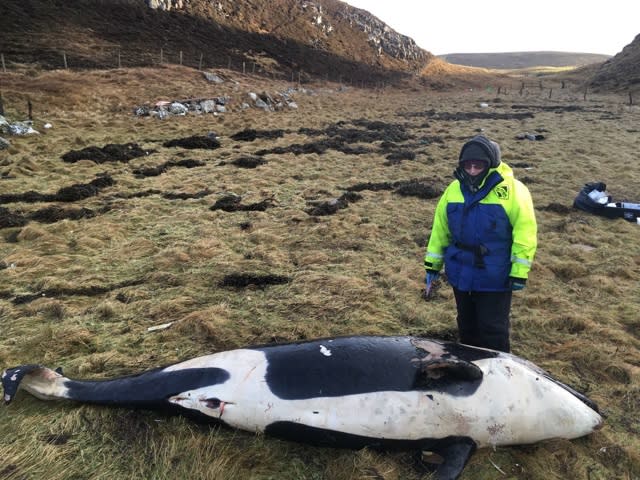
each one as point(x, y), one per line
point(483, 238)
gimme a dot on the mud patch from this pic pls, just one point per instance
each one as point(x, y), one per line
point(55, 213)
point(10, 219)
point(466, 116)
point(249, 134)
point(334, 205)
point(318, 147)
point(232, 203)
point(72, 193)
point(186, 196)
point(370, 131)
point(243, 280)
point(248, 162)
point(194, 142)
point(340, 136)
point(89, 291)
point(556, 108)
point(420, 188)
point(56, 439)
point(112, 152)
point(160, 169)
point(395, 158)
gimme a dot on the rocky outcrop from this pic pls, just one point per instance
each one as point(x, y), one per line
point(383, 38)
point(166, 4)
point(622, 71)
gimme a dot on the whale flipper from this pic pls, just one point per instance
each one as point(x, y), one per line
point(452, 455)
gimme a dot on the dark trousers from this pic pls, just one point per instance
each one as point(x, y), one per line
point(483, 318)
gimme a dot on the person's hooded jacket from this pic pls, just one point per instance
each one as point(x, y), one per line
point(484, 232)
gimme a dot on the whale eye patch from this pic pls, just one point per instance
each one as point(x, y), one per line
point(212, 403)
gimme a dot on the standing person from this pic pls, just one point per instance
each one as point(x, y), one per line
point(484, 232)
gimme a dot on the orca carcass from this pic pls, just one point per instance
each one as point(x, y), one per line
point(364, 391)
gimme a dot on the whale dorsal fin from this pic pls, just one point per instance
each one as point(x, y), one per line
point(450, 367)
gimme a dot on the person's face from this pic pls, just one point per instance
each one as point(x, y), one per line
point(474, 167)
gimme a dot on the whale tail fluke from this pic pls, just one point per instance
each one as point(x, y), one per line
point(41, 382)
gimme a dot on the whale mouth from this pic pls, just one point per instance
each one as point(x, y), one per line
point(583, 398)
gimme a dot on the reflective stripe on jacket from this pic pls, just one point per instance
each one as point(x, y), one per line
point(483, 238)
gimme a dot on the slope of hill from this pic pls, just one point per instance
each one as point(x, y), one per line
point(621, 71)
point(513, 60)
point(319, 38)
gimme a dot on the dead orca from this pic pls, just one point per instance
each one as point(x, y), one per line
point(363, 391)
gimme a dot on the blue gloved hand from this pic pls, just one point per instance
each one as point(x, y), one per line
point(431, 277)
point(518, 283)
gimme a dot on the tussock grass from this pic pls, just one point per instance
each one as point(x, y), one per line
point(145, 260)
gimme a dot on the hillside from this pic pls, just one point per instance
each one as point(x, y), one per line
point(324, 38)
point(621, 71)
point(515, 60)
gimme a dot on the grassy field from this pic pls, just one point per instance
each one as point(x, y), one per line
point(148, 250)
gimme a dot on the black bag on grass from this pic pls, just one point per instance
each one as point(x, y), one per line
point(593, 198)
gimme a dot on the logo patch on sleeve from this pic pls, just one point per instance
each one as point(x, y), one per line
point(502, 192)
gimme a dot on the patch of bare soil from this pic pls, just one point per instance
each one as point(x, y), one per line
point(332, 206)
point(410, 188)
point(467, 116)
point(194, 142)
point(232, 203)
point(160, 169)
point(109, 153)
point(72, 193)
point(243, 280)
point(250, 134)
point(248, 162)
point(55, 213)
point(88, 291)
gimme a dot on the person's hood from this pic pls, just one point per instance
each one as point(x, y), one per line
point(481, 148)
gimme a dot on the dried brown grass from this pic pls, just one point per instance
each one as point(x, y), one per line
point(358, 271)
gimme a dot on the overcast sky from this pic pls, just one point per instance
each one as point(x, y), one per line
point(480, 26)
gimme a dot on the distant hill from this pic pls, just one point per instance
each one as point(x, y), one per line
point(514, 60)
point(621, 71)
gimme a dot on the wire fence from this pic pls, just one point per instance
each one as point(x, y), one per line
point(108, 58)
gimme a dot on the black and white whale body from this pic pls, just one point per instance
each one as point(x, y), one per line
point(381, 392)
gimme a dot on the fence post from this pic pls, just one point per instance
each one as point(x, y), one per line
point(180, 57)
point(521, 88)
point(630, 101)
point(243, 69)
point(200, 62)
point(253, 69)
point(2, 105)
point(550, 90)
point(585, 93)
point(119, 60)
point(29, 109)
point(64, 58)
point(299, 73)
point(229, 63)
point(4, 68)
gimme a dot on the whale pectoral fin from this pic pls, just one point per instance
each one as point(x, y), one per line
point(447, 460)
point(449, 367)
